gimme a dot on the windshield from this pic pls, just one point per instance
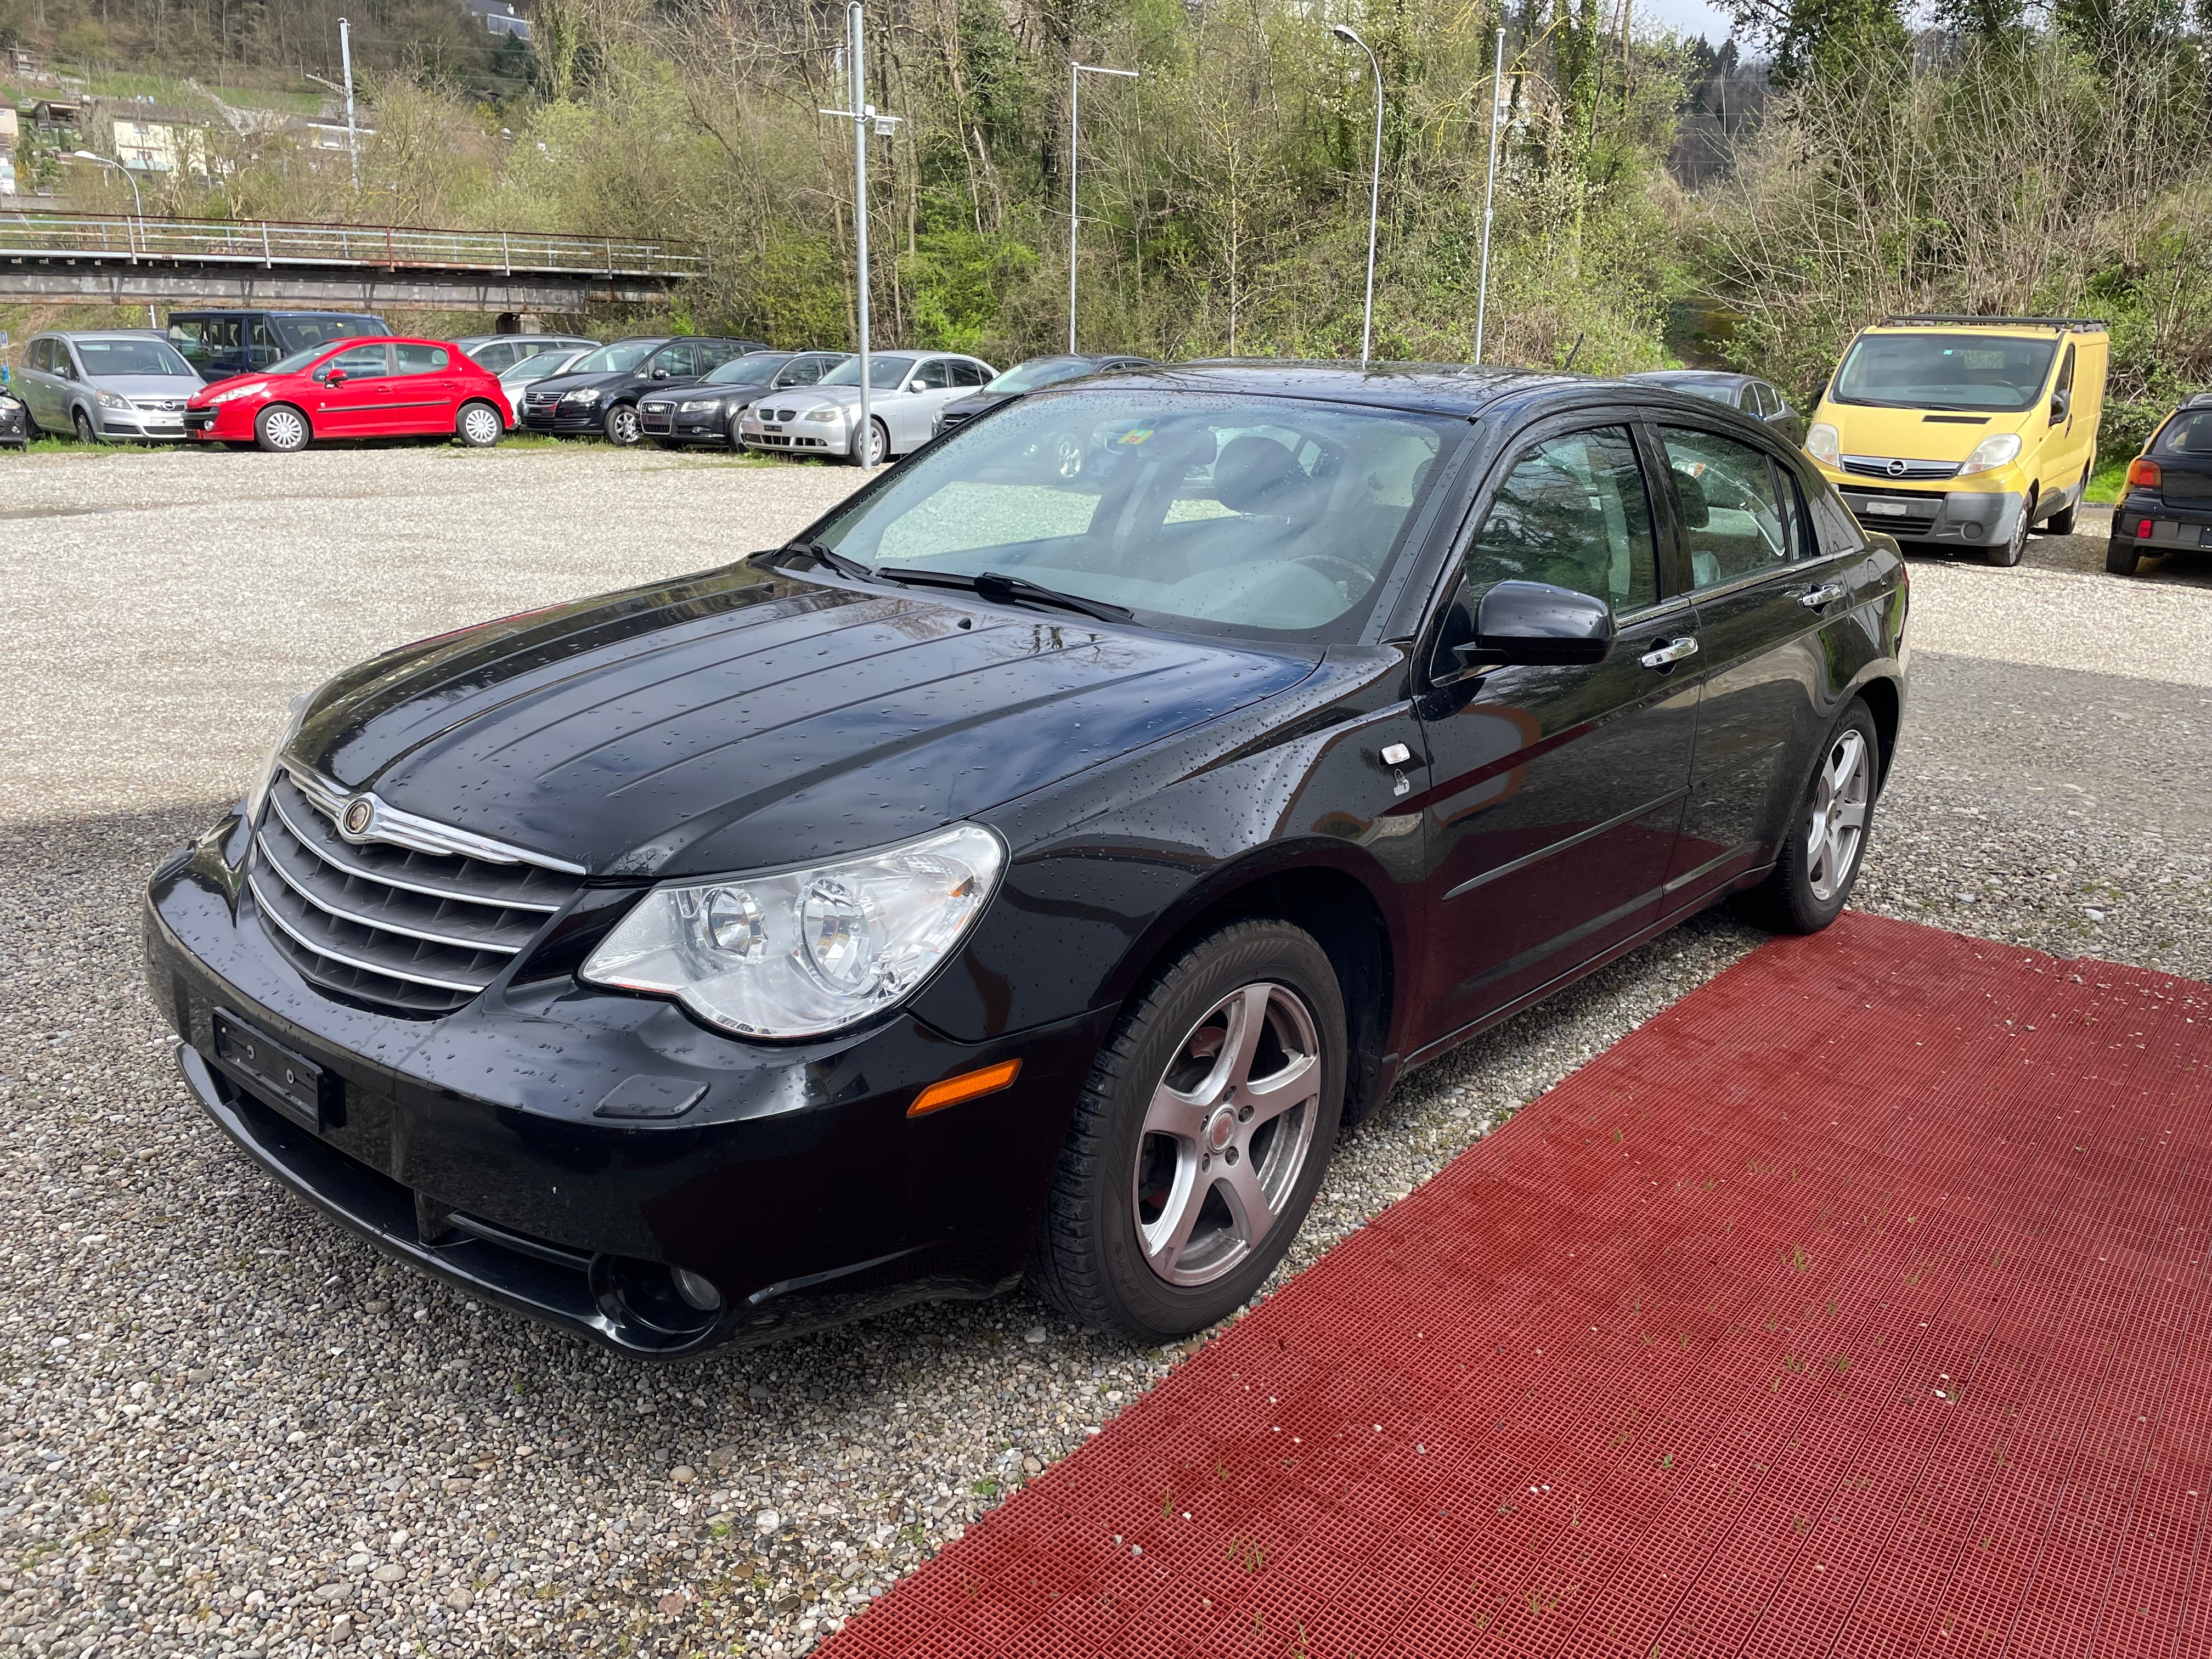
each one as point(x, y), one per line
point(1209, 513)
point(1040, 371)
point(297, 361)
point(885, 374)
point(754, 369)
point(538, 365)
point(614, 359)
point(147, 356)
point(301, 333)
point(2003, 373)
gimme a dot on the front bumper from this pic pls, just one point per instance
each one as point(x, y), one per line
point(230, 423)
point(468, 1144)
point(566, 418)
point(800, 437)
point(13, 428)
point(1970, 517)
point(668, 423)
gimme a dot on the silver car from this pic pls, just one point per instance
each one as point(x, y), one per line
point(517, 377)
point(111, 383)
point(905, 391)
point(500, 352)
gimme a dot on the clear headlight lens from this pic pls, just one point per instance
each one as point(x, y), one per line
point(699, 406)
point(1998, 449)
point(232, 393)
point(587, 395)
point(112, 400)
point(1825, 445)
point(258, 796)
point(802, 952)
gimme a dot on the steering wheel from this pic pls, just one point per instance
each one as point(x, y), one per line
point(1357, 579)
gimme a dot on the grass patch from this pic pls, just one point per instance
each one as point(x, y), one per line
point(2108, 482)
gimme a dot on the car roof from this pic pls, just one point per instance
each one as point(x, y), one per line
point(101, 334)
point(1664, 376)
point(264, 311)
point(1424, 388)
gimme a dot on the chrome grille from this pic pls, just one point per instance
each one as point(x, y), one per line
point(394, 922)
point(1887, 466)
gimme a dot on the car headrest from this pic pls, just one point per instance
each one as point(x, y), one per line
point(1254, 474)
point(1697, 514)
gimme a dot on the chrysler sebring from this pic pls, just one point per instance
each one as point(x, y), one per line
point(1023, 874)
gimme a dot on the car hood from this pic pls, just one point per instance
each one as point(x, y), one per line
point(1924, 434)
point(745, 718)
point(850, 394)
point(701, 389)
point(149, 386)
point(978, 403)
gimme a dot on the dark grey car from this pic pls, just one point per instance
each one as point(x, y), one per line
point(1757, 398)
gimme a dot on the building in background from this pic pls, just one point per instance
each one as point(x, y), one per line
point(499, 17)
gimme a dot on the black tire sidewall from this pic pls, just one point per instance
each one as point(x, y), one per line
point(83, 428)
point(1244, 954)
point(461, 425)
point(2121, 560)
point(1800, 911)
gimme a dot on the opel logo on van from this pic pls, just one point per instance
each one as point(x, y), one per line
point(1897, 469)
point(360, 813)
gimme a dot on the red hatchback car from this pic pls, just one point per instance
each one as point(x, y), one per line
point(375, 388)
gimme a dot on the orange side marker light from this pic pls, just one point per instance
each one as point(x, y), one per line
point(967, 1086)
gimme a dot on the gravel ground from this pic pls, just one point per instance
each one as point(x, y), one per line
point(226, 1428)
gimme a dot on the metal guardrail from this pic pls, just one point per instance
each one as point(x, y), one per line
point(273, 243)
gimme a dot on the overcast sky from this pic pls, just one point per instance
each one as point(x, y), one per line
point(1692, 17)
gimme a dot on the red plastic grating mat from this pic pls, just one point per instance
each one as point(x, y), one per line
point(1856, 1305)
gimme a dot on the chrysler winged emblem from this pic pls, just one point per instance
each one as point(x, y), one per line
point(360, 813)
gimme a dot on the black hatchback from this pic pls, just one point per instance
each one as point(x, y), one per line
point(1027, 874)
point(2168, 507)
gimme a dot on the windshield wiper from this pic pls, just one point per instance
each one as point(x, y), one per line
point(993, 585)
point(823, 553)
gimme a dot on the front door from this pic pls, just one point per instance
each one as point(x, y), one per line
point(353, 396)
point(1556, 792)
point(1768, 598)
point(914, 417)
point(425, 391)
point(2071, 440)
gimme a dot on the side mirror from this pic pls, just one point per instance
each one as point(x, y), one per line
point(915, 386)
point(1535, 624)
point(659, 374)
point(2062, 405)
point(334, 377)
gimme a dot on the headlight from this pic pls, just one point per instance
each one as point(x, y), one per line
point(112, 400)
point(828, 412)
point(232, 393)
point(700, 408)
point(10, 401)
point(805, 952)
point(584, 395)
point(259, 795)
point(1825, 445)
point(1998, 449)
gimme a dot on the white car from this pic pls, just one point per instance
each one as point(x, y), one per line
point(517, 377)
point(905, 391)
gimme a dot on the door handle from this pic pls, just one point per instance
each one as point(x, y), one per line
point(1824, 594)
point(1667, 653)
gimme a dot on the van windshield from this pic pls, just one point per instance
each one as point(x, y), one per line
point(2003, 373)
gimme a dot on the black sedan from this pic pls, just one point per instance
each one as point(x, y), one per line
point(599, 394)
point(707, 413)
point(1756, 397)
point(1016, 875)
point(1033, 374)
point(2168, 507)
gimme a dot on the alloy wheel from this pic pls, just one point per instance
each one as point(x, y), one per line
point(623, 427)
point(1227, 1134)
point(1838, 826)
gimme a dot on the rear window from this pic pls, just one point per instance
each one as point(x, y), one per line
point(2187, 435)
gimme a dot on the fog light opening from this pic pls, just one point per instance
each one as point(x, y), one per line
point(1973, 528)
point(699, 1292)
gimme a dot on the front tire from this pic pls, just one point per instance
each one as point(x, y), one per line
point(1825, 847)
point(2062, 522)
point(281, 430)
point(2015, 548)
point(620, 426)
point(479, 425)
point(86, 432)
point(878, 445)
point(1201, 1134)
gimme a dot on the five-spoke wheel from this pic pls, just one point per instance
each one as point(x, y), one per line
point(1821, 857)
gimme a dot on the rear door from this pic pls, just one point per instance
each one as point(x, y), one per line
point(353, 397)
point(425, 387)
point(1768, 598)
point(1556, 792)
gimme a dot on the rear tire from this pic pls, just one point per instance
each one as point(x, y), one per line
point(479, 425)
point(282, 429)
point(2015, 550)
point(2062, 522)
point(620, 426)
point(2121, 557)
point(1825, 847)
point(1200, 1136)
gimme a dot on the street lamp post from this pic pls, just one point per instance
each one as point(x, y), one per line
point(138, 213)
point(1490, 193)
point(1075, 74)
point(863, 116)
point(345, 57)
point(1346, 32)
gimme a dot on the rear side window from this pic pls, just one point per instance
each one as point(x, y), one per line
point(2188, 434)
point(416, 359)
point(1734, 520)
point(1573, 512)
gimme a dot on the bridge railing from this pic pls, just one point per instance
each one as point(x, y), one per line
point(272, 243)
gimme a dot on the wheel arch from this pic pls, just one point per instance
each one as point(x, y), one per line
point(286, 403)
point(1885, 702)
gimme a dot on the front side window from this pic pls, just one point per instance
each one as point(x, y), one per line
point(885, 374)
point(362, 362)
point(1737, 519)
point(1194, 510)
point(931, 375)
point(1572, 511)
point(2002, 373)
point(415, 358)
point(146, 356)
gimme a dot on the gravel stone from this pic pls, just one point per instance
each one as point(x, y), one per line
point(214, 1404)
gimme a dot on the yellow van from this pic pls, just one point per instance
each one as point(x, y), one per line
point(1964, 430)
